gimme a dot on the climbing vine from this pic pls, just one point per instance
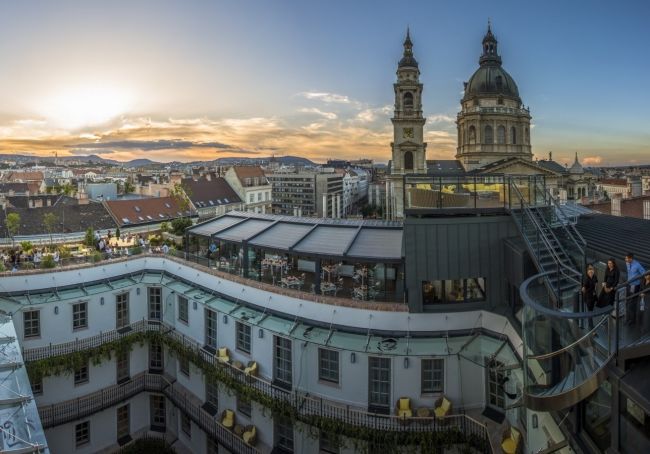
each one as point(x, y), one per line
point(363, 438)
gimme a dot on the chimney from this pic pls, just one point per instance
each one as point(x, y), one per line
point(616, 206)
point(646, 210)
point(550, 155)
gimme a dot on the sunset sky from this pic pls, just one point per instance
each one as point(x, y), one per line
point(193, 80)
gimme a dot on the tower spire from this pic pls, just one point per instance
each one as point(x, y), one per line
point(490, 54)
point(407, 59)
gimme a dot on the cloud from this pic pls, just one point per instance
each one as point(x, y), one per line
point(146, 145)
point(592, 160)
point(440, 118)
point(313, 110)
point(374, 114)
point(325, 97)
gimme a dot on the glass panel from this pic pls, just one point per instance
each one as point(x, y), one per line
point(597, 416)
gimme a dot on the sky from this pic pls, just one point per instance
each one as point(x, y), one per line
point(198, 80)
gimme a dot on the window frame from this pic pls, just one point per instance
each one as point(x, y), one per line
point(122, 310)
point(82, 428)
point(328, 376)
point(425, 390)
point(379, 396)
point(77, 318)
point(283, 432)
point(154, 302)
point(243, 340)
point(157, 412)
point(186, 425)
point(81, 375)
point(156, 357)
point(183, 302)
point(280, 371)
point(123, 366)
point(210, 328)
point(184, 366)
point(35, 319)
point(121, 424)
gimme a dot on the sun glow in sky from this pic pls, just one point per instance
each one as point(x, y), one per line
point(198, 80)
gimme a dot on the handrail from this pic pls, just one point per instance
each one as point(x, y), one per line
point(580, 244)
point(543, 238)
point(528, 301)
point(571, 345)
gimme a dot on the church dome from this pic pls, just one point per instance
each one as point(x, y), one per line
point(576, 168)
point(490, 78)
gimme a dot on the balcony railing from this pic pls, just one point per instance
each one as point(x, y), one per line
point(306, 406)
point(75, 409)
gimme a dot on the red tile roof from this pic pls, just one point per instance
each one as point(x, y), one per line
point(214, 192)
point(143, 211)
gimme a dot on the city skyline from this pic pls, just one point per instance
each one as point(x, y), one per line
point(209, 80)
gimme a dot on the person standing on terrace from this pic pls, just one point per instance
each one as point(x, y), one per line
point(589, 282)
point(634, 273)
point(612, 276)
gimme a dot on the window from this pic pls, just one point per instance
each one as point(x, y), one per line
point(251, 197)
point(123, 365)
point(155, 357)
point(284, 436)
point(82, 433)
point(157, 412)
point(501, 134)
point(154, 295)
point(472, 135)
point(328, 365)
point(243, 337)
point(489, 137)
point(433, 376)
point(527, 136)
point(183, 310)
point(31, 324)
point(184, 366)
point(379, 384)
point(123, 422)
point(513, 135)
point(453, 291)
point(282, 362)
point(408, 100)
point(211, 396)
point(212, 446)
point(186, 425)
point(37, 386)
point(80, 315)
point(81, 375)
point(259, 196)
point(122, 310)
point(210, 328)
point(408, 160)
point(244, 406)
point(327, 444)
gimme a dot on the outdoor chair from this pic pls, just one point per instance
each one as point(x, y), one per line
point(228, 419)
point(442, 407)
point(251, 368)
point(403, 408)
point(223, 355)
point(250, 435)
point(510, 442)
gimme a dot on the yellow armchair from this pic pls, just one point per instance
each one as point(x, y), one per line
point(228, 419)
point(250, 435)
point(442, 407)
point(223, 355)
point(251, 369)
point(403, 408)
point(510, 441)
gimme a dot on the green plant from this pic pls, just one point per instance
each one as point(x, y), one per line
point(13, 224)
point(180, 224)
point(64, 252)
point(26, 246)
point(164, 226)
point(96, 257)
point(49, 222)
point(48, 262)
point(89, 238)
point(2, 266)
point(117, 233)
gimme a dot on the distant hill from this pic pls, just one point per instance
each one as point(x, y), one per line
point(140, 163)
point(286, 160)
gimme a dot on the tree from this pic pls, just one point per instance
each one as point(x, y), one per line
point(89, 239)
point(129, 187)
point(13, 224)
point(49, 222)
point(181, 194)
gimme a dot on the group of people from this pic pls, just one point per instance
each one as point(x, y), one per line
point(603, 295)
point(14, 258)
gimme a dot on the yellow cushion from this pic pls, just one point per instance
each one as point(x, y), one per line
point(405, 403)
point(223, 352)
point(440, 412)
point(248, 435)
point(509, 446)
point(515, 435)
point(251, 369)
point(404, 413)
point(229, 419)
point(445, 404)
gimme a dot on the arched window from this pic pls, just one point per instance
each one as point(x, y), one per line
point(408, 100)
point(501, 134)
point(488, 136)
point(408, 160)
point(513, 135)
point(527, 136)
point(472, 134)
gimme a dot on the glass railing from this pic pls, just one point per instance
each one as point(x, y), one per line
point(563, 350)
point(425, 192)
